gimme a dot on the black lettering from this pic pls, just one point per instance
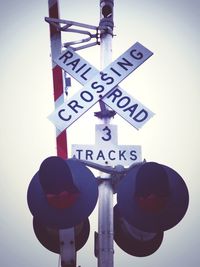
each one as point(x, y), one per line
point(125, 63)
point(116, 72)
point(86, 96)
point(100, 155)
point(63, 118)
point(109, 155)
point(131, 109)
point(121, 154)
point(115, 94)
point(67, 55)
point(81, 68)
point(88, 154)
point(141, 116)
point(109, 80)
point(108, 133)
point(79, 153)
point(120, 103)
point(74, 63)
point(95, 86)
point(82, 75)
point(137, 56)
point(73, 105)
point(133, 155)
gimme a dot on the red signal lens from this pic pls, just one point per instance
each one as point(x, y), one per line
point(62, 200)
point(152, 203)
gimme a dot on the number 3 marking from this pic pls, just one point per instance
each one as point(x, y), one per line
point(108, 134)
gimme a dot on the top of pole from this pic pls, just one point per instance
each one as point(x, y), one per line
point(106, 21)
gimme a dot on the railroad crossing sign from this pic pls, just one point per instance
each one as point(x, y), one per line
point(102, 85)
point(106, 151)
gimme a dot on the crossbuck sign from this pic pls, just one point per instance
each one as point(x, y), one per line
point(102, 85)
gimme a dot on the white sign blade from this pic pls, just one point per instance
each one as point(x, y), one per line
point(128, 107)
point(79, 68)
point(98, 86)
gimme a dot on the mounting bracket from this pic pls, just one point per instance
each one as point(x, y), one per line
point(76, 27)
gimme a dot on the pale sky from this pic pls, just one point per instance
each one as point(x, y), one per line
point(167, 84)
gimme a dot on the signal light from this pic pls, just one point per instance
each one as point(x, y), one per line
point(60, 194)
point(49, 237)
point(152, 197)
point(106, 14)
point(132, 240)
point(63, 193)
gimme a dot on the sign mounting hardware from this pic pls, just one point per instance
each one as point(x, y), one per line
point(76, 27)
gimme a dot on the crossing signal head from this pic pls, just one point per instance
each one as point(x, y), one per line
point(106, 14)
point(63, 193)
point(152, 187)
point(107, 8)
point(49, 237)
point(57, 183)
point(152, 197)
point(132, 240)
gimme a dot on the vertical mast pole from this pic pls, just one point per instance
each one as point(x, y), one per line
point(66, 236)
point(58, 88)
point(105, 211)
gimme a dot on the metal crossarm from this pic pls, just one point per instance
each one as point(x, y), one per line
point(76, 27)
point(118, 169)
point(68, 23)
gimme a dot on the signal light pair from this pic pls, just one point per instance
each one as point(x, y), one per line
point(151, 198)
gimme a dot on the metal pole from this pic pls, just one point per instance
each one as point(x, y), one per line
point(66, 236)
point(105, 224)
point(56, 44)
point(105, 212)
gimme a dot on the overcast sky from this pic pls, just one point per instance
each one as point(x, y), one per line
point(167, 83)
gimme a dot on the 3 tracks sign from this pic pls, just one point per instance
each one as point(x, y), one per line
point(106, 150)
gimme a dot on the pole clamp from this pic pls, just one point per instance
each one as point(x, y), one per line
point(106, 25)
